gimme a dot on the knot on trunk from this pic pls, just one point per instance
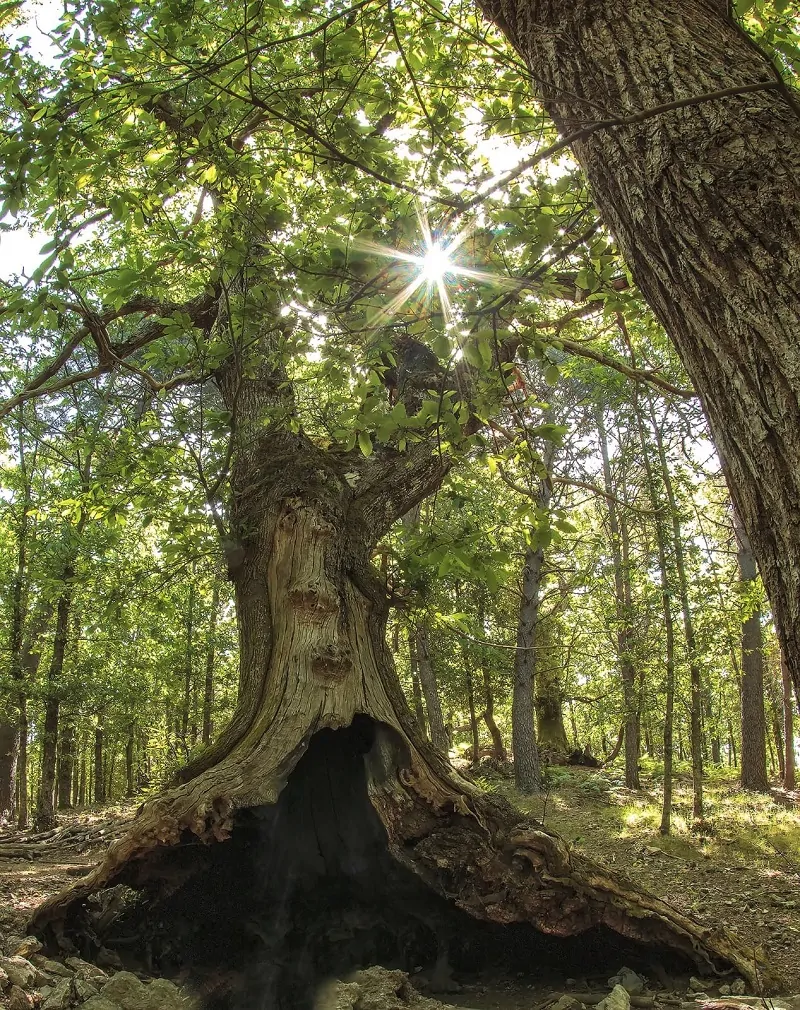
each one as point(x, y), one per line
point(313, 601)
point(332, 663)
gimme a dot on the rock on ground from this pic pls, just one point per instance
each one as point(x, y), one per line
point(375, 989)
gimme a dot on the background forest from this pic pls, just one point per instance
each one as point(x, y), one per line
point(431, 270)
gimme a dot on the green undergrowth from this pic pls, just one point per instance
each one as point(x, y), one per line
point(594, 810)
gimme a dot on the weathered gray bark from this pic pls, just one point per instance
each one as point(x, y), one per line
point(623, 602)
point(704, 201)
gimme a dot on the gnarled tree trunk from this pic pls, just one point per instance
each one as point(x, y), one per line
point(335, 810)
point(704, 200)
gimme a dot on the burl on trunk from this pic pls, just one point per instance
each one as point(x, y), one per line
point(376, 848)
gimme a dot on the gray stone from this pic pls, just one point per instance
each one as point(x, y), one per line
point(56, 968)
point(698, 984)
point(28, 945)
point(724, 990)
point(617, 999)
point(100, 1003)
point(738, 987)
point(567, 1002)
point(4, 980)
point(83, 989)
point(87, 970)
point(130, 993)
point(19, 970)
point(629, 980)
point(61, 996)
point(18, 999)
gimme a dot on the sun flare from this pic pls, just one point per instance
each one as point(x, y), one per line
point(435, 264)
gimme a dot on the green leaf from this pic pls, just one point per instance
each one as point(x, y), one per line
point(365, 443)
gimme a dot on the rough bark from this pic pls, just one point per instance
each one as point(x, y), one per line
point(623, 601)
point(754, 744)
point(703, 200)
point(788, 729)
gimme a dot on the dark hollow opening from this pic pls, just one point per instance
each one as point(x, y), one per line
point(306, 890)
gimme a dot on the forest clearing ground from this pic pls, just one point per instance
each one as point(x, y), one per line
point(742, 869)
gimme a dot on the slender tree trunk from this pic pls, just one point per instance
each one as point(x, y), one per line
point(82, 794)
point(488, 694)
point(430, 689)
point(696, 701)
point(703, 201)
point(527, 770)
point(655, 488)
point(788, 729)
point(188, 673)
point(754, 746)
point(22, 764)
point(550, 729)
point(624, 614)
point(45, 805)
point(130, 752)
point(208, 692)
point(416, 687)
point(66, 762)
point(15, 746)
point(9, 749)
point(473, 718)
point(99, 781)
point(732, 744)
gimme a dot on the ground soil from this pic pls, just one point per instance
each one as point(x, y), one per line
point(740, 868)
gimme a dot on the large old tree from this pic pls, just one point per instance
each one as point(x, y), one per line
point(690, 139)
point(217, 185)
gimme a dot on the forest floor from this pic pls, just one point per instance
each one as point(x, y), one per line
point(741, 869)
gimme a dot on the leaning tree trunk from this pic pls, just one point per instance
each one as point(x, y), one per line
point(316, 673)
point(704, 200)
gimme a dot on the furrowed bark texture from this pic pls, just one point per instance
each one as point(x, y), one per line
point(705, 204)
